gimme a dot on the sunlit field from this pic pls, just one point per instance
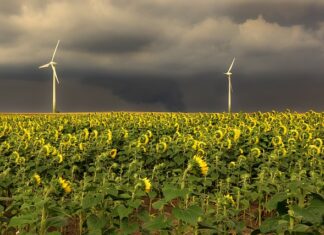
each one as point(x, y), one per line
point(162, 173)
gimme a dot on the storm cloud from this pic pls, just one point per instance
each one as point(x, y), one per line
point(162, 55)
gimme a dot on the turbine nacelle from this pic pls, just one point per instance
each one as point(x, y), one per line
point(52, 63)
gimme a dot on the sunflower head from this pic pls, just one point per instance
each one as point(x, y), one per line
point(313, 150)
point(237, 134)
point(113, 153)
point(255, 152)
point(276, 140)
point(294, 133)
point(229, 198)
point(147, 185)
point(219, 135)
point(65, 185)
point(318, 142)
point(60, 158)
point(202, 164)
point(282, 129)
point(86, 133)
point(37, 179)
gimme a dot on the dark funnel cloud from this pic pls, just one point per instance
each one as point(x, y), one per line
point(144, 89)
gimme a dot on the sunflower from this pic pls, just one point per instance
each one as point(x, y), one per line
point(37, 179)
point(65, 185)
point(147, 184)
point(81, 146)
point(229, 198)
point(202, 164)
point(60, 157)
point(231, 165)
point(86, 133)
point(313, 150)
point(219, 135)
point(164, 147)
point(109, 136)
point(237, 134)
point(294, 133)
point(282, 130)
point(113, 153)
point(276, 140)
point(256, 152)
point(318, 142)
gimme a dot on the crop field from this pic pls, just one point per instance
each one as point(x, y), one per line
point(162, 173)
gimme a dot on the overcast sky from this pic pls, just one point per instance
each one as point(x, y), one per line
point(162, 55)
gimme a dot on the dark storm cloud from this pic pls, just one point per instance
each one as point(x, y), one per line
point(286, 13)
point(162, 55)
point(144, 88)
point(111, 42)
point(283, 12)
point(26, 72)
point(10, 7)
point(8, 33)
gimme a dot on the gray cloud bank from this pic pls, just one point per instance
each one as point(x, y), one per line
point(162, 55)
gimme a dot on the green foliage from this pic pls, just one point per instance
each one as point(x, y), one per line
point(163, 173)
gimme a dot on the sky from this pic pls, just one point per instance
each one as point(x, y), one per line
point(162, 55)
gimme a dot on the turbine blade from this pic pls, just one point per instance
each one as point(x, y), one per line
point(231, 65)
point(43, 66)
point(55, 74)
point(58, 42)
point(57, 79)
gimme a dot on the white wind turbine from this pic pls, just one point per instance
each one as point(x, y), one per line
point(53, 64)
point(228, 73)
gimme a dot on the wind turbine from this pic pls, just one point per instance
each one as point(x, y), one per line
point(53, 64)
point(228, 73)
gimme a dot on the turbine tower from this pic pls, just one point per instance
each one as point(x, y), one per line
point(53, 64)
point(228, 73)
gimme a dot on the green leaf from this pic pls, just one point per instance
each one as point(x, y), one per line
point(123, 212)
point(128, 228)
point(189, 215)
point(57, 221)
point(314, 213)
point(171, 192)
point(277, 224)
point(269, 225)
point(206, 226)
point(23, 220)
point(144, 215)
point(95, 223)
point(152, 194)
point(159, 204)
point(95, 232)
point(91, 200)
point(54, 233)
point(124, 196)
point(112, 192)
point(179, 159)
point(157, 223)
point(134, 204)
point(273, 202)
point(302, 228)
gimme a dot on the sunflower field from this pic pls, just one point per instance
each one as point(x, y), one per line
point(162, 173)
